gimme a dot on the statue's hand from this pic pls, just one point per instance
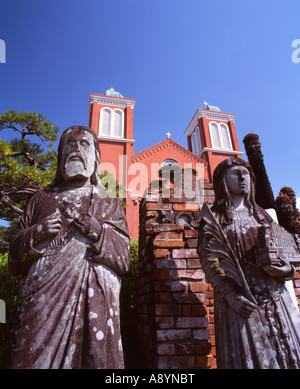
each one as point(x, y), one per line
point(240, 303)
point(282, 269)
point(89, 226)
point(49, 226)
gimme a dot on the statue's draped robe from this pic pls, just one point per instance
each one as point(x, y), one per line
point(68, 313)
point(270, 337)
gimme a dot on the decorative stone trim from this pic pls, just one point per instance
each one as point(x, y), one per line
point(165, 144)
point(111, 100)
point(222, 116)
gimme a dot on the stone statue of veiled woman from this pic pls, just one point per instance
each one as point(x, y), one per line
point(257, 323)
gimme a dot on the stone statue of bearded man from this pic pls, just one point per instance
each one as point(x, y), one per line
point(71, 249)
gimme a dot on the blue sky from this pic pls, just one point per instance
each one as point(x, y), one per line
point(170, 56)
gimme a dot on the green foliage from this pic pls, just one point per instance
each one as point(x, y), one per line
point(128, 304)
point(112, 185)
point(287, 211)
point(30, 123)
point(25, 166)
point(8, 293)
point(129, 281)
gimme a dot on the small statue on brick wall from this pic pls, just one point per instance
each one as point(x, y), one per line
point(71, 249)
point(247, 258)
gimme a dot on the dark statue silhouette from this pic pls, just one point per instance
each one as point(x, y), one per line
point(71, 249)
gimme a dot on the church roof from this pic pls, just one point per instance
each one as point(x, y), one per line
point(167, 143)
point(211, 107)
point(112, 92)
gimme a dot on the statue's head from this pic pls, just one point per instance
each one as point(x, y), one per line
point(78, 155)
point(238, 180)
point(233, 176)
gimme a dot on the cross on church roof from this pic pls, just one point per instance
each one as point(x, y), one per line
point(168, 134)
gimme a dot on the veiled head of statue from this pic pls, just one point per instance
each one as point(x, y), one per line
point(233, 176)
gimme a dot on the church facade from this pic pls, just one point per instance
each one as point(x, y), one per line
point(211, 138)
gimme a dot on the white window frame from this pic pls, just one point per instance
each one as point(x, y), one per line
point(101, 121)
point(111, 124)
point(222, 147)
point(193, 141)
point(196, 142)
point(170, 162)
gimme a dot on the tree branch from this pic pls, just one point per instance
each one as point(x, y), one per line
point(9, 204)
point(30, 159)
point(29, 191)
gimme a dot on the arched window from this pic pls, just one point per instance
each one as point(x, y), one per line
point(224, 135)
point(170, 162)
point(193, 140)
point(196, 142)
point(106, 120)
point(219, 135)
point(117, 120)
point(214, 135)
point(111, 123)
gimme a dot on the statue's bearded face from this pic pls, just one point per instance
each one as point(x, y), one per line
point(78, 155)
point(238, 180)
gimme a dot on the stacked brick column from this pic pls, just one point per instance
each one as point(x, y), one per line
point(297, 285)
point(175, 304)
point(175, 311)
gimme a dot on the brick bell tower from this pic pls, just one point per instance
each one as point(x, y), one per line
point(111, 117)
point(211, 135)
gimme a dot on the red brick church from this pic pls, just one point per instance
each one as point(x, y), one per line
point(211, 138)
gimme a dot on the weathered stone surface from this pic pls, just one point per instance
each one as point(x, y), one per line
point(170, 243)
point(247, 272)
point(161, 253)
point(190, 234)
point(158, 206)
point(185, 253)
point(169, 263)
point(71, 249)
point(167, 227)
point(186, 207)
point(173, 335)
point(191, 322)
point(177, 288)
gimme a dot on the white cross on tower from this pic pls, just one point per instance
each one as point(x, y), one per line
point(168, 134)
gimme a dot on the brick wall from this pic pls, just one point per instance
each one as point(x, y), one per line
point(175, 304)
point(175, 310)
point(297, 285)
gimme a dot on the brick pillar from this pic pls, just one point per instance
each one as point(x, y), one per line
point(175, 310)
point(297, 285)
point(175, 303)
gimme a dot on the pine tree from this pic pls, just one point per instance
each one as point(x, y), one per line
point(286, 209)
point(27, 163)
point(264, 194)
